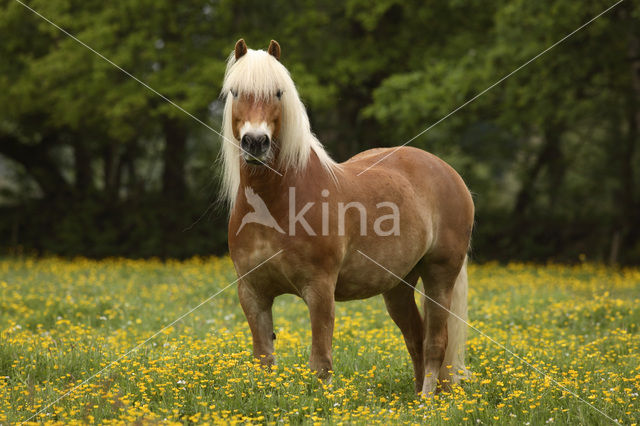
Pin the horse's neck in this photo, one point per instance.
(274, 188)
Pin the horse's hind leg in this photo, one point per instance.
(404, 312)
(257, 309)
(439, 280)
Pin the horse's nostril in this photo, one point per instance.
(245, 142)
(255, 143)
(264, 141)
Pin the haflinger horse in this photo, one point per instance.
(286, 194)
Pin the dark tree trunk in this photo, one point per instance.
(114, 160)
(556, 168)
(626, 199)
(550, 157)
(117, 179)
(82, 168)
(129, 166)
(108, 171)
(634, 135)
(173, 175)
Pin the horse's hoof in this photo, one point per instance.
(267, 361)
(325, 376)
(427, 395)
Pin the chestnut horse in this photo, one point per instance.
(286, 194)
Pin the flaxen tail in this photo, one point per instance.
(457, 330)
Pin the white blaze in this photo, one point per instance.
(258, 128)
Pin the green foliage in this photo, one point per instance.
(551, 152)
(145, 227)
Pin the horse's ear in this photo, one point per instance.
(274, 49)
(241, 48)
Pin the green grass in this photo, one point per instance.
(63, 321)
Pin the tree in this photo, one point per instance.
(557, 113)
(551, 152)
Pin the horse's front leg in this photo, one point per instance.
(321, 303)
(257, 309)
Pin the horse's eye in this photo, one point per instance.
(234, 93)
(279, 94)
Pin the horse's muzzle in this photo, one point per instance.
(255, 147)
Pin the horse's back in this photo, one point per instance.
(437, 188)
(398, 158)
(421, 168)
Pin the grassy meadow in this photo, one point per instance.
(62, 321)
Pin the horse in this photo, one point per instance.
(325, 219)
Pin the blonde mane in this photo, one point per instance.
(259, 74)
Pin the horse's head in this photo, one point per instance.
(256, 117)
(264, 121)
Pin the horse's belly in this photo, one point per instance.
(375, 265)
(353, 290)
(368, 281)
